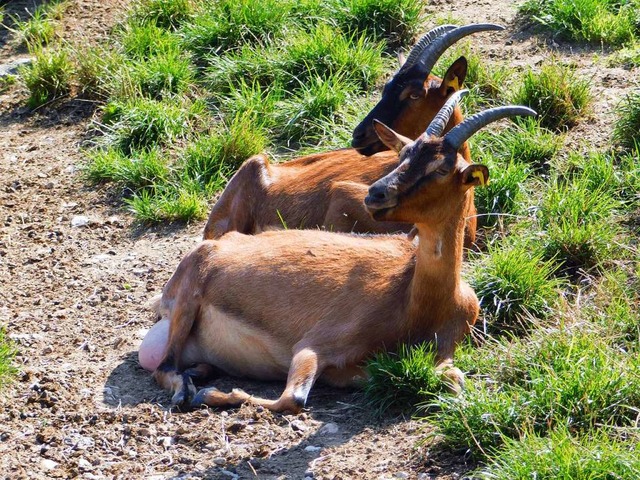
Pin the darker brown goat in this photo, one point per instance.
(305, 304)
(326, 189)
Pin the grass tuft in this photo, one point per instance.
(403, 379)
(627, 126)
(598, 21)
(167, 14)
(48, 77)
(579, 222)
(396, 21)
(512, 283)
(228, 24)
(556, 93)
(142, 123)
(598, 456)
(554, 378)
(7, 353)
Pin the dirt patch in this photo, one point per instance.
(75, 277)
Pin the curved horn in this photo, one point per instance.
(423, 43)
(430, 56)
(461, 132)
(439, 122)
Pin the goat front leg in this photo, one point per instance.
(452, 376)
(346, 212)
(303, 372)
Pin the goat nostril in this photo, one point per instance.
(378, 196)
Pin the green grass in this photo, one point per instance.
(598, 21)
(326, 52)
(513, 283)
(627, 57)
(213, 157)
(552, 379)
(393, 21)
(145, 123)
(579, 223)
(563, 455)
(527, 143)
(557, 93)
(134, 172)
(627, 126)
(7, 353)
(228, 24)
(39, 29)
(48, 77)
(403, 379)
(504, 197)
(167, 14)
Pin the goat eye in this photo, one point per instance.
(442, 171)
(414, 96)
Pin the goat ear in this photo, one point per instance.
(455, 76)
(391, 139)
(475, 175)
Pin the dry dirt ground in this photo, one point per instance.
(73, 298)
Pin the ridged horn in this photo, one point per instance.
(461, 132)
(437, 47)
(423, 43)
(439, 122)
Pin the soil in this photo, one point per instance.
(76, 274)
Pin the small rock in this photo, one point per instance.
(166, 441)
(48, 464)
(423, 476)
(84, 464)
(329, 429)
(401, 475)
(79, 221)
(219, 460)
(312, 448)
(308, 474)
(229, 474)
(47, 350)
(298, 426)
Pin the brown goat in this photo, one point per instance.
(326, 189)
(304, 304)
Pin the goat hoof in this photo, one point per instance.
(200, 398)
(453, 379)
(182, 397)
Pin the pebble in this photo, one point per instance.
(329, 429)
(80, 221)
(48, 464)
(84, 464)
(401, 475)
(219, 460)
(229, 474)
(308, 474)
(312, 448)
(79, 442)
(165, 441)
(298, 426)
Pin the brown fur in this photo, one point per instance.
(326, 189)
(297, 304)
